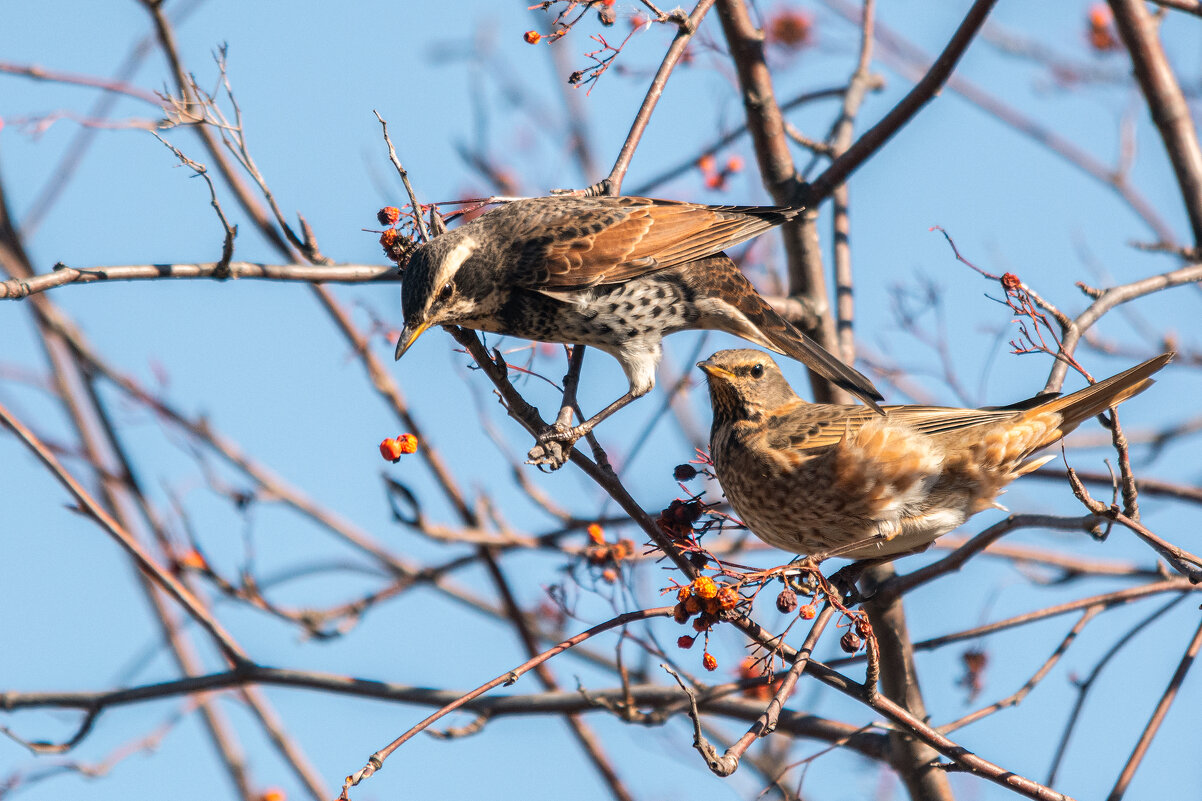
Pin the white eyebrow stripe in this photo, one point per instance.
(454, 260)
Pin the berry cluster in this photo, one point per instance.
(392, 449)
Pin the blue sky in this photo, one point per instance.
(263, 363)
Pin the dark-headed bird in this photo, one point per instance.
(613, 273)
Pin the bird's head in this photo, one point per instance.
(744, 384)
(436, 287)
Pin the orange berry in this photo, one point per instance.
(193, 559)
(407, 443)
(389, 238)
(532, 37)
(1101, 34)
(728, 597)
(1102, 39)
(704, 587)
(390, 449)
(790, 29)
(715, 180)
(709, 662)
(682, 593)
(609, 575)
(706, 163)
(808, 612)
(734, 164)
(274, 794)
(608, 3)
(596, 533)
(388, 215)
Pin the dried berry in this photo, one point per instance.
(728, 597)
(682, 593)
(684, 472)
(808, 612)
(680, 613)
(850, 642)
(693, 604)
(709, 662)
(685, 641)
(532, 37)
(388, 215)
(786, 601)
(790, 29)
(407, 443)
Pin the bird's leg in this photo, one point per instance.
(846, 578)
(563, 422)
(555, 442)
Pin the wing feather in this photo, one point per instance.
(641, 236)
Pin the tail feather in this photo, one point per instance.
(793, 343)
(719, 278)
(1095, 399)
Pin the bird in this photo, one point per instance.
(821, 480)
(614, 273)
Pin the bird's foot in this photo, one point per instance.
(554, 447)
(845, 580)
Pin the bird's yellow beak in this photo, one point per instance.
(408, 337)
(714, 371)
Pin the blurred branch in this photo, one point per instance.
(612, 184)
(1170, 111)
(923, 92)
(1162, 709)
(88, 505)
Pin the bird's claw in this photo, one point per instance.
(554, 448)
(845, 581)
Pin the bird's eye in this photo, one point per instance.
(445, 293)
(757, 371)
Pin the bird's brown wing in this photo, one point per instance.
(944, 420)
(812, 427)
(801, 426)
(626, 237)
